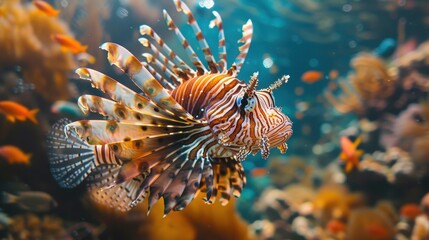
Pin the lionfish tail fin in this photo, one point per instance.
(70, 158)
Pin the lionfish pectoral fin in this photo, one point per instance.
(127, 171)
(182, 190)
(103, 176)
(70, 158)
(228, 180)
(143, 79)
(119, 196)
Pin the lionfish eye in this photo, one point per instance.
(242, 101)
(418, 118)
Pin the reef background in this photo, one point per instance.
(379, 51)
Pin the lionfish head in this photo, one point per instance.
(273, 128)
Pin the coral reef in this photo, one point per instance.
(197, 221)
(368, 87)
(294, 169)
(31, 226)
(29, 46)
(371, 224)
(335, 202)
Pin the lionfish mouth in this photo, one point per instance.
(280, 134)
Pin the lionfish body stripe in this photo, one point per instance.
(186, 132)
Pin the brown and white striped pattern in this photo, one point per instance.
(187, 132)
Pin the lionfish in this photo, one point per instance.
(187, 131)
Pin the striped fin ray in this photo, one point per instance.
(190, 190)
(96, 132)
(208, 181)
(119, 112)
(174, 159)
(183, 150)
(189, 178)
(121, 93)
(228, 179)
(181, 6)
(154, 144)
(127, 62)
(70, 158)
(201, 69)
(222, 48)
(103, 176)
(119, 196)
(146, 30)
(170, 75)
(166, 84)
(164, 149)
(246, 39)
(157, 190)
(163, 59)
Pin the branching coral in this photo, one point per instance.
(25, 41)
(371, 79)
(369, 86)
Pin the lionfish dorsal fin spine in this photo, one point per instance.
(246, 39)
(221, 45)
(146, 30)
(151, 61)
(201, 69)
(167, 62)
(182, 7)
(166, 84)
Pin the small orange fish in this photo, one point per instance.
(14, 155)
(410, 210)
(68, 43)
(350, 154)
(259, 172)
(14, 110)
(335, 226)
(311, 76)
(333, 74)
(46, 8)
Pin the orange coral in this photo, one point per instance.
(28, 44)
(371, 84)
(335, 202)
(197, 221)
(371, 79)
